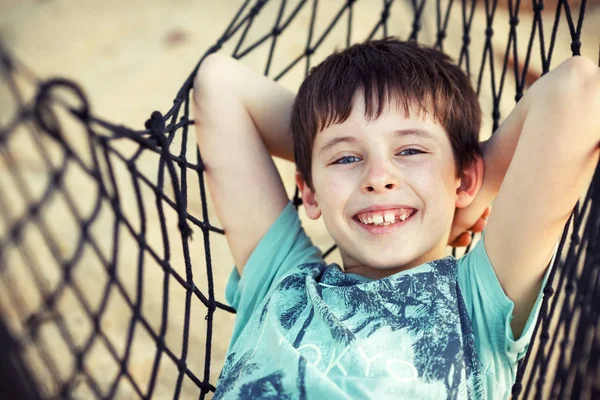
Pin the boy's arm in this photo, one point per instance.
(240, 117)
(539, 162)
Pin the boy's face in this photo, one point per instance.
(404, 173)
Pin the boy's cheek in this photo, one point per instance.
(337, 186)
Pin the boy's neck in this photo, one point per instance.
(380, 273)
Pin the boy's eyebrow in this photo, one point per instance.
(417, 132)
(335, 141)
(400, 132)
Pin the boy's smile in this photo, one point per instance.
(382, 219)
(387, 190)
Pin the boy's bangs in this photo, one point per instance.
(332, 107)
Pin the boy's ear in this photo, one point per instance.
(309, 198)
(468, 186)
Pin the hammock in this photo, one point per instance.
(38, 341)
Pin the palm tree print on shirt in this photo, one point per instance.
(423, 305)
(427, 305)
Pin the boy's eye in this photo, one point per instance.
(412, 152)
(349, 159)
(344, 160)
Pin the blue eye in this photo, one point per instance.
(405, 152)
(413, 151)
(345, 158)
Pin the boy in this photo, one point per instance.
(385, 140)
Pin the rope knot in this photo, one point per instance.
(548, 291)
(254, 10)
(514, 21)
(569, 287)
(6, 62)
(467, 40)
(79, 360)
(441, 36)
(50, 300)
(67, 269)
(185, 229)
(34, 210)
(211, 307)
(516, 389)
(217, 46)
(156, 123)
(156, 126)
(576, 47)
(57, 178)
(96, 322)
(15, 233)
(489, 31)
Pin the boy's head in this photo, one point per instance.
(387, 124)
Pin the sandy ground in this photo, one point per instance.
(131, 58)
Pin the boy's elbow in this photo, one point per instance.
(581, 82)
(573, 81)
(585, 69)
(216, 69)
(205, 73)
(586, 79)
(209, 80)
(570, 95)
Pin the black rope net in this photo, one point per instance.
(72, 238)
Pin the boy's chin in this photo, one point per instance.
(404, 261)
(390, 264)
(377, 272)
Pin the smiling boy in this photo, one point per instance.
(385, 140)
(353, 170)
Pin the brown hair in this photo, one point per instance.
(384, 70)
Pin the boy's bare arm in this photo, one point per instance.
(539, 162)
(240, 117)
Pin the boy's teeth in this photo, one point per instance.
(385, 219)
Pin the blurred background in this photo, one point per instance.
(131, 58)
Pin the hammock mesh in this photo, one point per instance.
(59, 349)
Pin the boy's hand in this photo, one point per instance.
(467, 220)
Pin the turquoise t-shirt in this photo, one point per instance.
(307, 330)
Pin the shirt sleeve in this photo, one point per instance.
(283, 248)
(491, 312)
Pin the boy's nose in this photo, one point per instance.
(379, 178)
